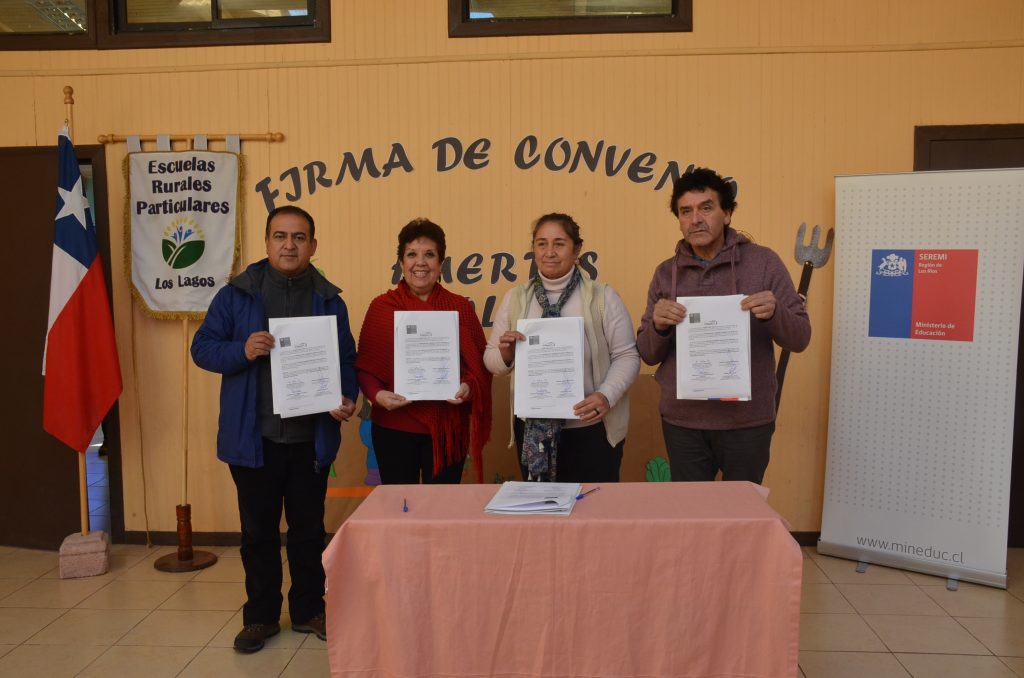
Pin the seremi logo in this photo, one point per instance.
(923, 294)
(183, 243)
(892, 265)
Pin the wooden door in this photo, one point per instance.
(38, 474)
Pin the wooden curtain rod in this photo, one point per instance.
(269, 137)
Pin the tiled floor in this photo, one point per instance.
(888, 623)
(136, 621)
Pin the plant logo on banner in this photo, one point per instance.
(183, 243)
(182, 222)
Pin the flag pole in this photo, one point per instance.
(184, 412)
(80, 333)
(83, 487)
(187, 558)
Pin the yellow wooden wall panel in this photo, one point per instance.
(20, 119)
(731, 95)
(878, 22)
(791, 132)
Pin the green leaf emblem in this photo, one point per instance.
(185, 254)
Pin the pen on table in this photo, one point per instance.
(405, 505)
(594, 489)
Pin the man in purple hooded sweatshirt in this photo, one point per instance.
(703, 436)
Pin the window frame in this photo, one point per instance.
(103, 34)
(460, 26)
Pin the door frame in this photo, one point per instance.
(925, 139)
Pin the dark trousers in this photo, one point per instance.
(584, 455)
(287, 475)
(405, 458)
(697, 455)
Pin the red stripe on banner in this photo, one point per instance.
(945, 285)
(83, 377)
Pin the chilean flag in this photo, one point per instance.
(83, 377)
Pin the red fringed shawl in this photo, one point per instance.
(453, 428)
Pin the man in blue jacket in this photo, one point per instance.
(275, 460)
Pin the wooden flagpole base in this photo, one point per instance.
(186, 559)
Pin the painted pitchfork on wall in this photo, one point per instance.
(812, 257)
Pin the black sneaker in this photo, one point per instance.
(252, 636)
(316, 624)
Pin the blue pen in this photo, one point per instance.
(405, 505)
(580, 496)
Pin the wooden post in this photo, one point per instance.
(186, 559)
(184, 411)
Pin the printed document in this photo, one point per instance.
(549, 368)
(713, 349)
(514, 497)
(427, 354)
(305, 371)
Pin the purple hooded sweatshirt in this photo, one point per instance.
(741, 267)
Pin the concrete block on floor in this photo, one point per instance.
(84, 555)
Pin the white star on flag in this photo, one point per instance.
(75, 203)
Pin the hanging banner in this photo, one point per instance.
(924, 356)
(183, 214)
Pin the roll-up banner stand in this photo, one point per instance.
(924, 361)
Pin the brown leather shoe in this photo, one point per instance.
(252, 636)
(316, 624)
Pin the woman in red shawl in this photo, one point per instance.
(424, 439)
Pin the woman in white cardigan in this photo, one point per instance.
(588, 449)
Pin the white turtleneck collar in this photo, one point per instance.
(556, 284)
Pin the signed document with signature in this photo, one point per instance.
(305, 370)
(549, 368)
(713, 349)
(427, 354)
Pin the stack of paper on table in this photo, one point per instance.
(519, 498)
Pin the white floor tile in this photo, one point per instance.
(218, 662)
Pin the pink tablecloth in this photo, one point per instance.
(643, 579)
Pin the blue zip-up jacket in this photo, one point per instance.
(219, 346)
